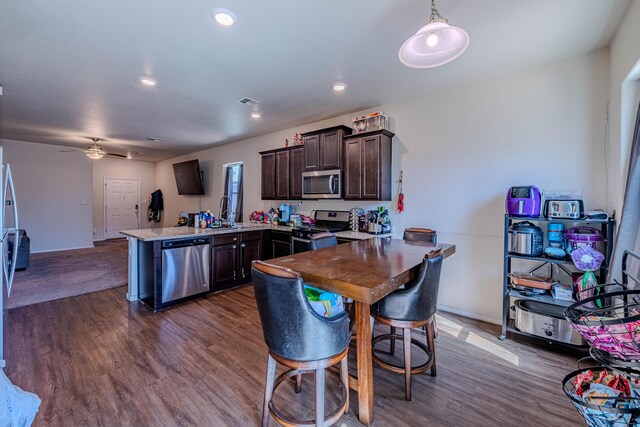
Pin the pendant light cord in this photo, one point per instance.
(435, 15)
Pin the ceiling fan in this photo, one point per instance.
(95, 152)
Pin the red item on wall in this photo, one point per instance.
(400, 196)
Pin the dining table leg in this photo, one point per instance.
(365, 364)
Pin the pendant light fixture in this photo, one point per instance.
(434, 44)
(95, 152)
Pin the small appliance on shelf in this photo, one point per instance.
(523, 201)
(563, 204)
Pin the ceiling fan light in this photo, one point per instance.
(437, 43)
(95, 152)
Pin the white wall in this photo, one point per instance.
(121, 168)
(53, 192)
(624, 87)
(625, 73)
(460, 150)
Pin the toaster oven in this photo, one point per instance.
(564, 209)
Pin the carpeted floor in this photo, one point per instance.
(55, 275)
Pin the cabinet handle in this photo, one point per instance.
(243, 274)
(243, 245)
(235, 238)
(234, 246)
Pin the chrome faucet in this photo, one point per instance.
(228, 220)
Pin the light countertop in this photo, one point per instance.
(357, 235)
(168, 233)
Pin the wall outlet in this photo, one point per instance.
(83, 202)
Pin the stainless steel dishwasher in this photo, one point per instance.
(186, 268)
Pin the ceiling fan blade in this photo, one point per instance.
(122, 156)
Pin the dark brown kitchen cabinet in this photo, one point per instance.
(231, 258)
(225, 265)
(367, 166)
(278, 244)
(331, 149)
(323, 148)
(268, 176)
(250, 250)
(296, 167)
(352, 169)
(282, 175)
(311, 152)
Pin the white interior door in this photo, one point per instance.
(122, 206)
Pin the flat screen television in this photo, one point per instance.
(188, 178)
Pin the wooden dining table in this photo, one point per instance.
(366, 271)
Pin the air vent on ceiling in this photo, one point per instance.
(248, 101)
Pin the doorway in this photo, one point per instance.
(121, 206)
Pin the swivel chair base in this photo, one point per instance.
(296, 369)
(407, 369)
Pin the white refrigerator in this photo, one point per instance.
(9, 226)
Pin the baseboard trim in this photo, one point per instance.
(63, 249)
(470, 314)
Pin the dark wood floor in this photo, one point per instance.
(97, 360)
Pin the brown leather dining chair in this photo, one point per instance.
(325, 240)
(420, 235)
(299, 339)
(322, 240)
(412, 307)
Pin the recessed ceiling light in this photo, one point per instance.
(154, 139)
(147, 81)
(224, 17)
(129, 156)
(339, 87)
(255, 115)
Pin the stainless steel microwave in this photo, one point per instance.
(322, 184)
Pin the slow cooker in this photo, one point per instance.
(525, 238)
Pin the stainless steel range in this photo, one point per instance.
(331, 221)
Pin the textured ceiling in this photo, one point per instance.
(71, 69)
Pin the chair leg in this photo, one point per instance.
(268, 390)
(407, 363)
(344, 377)
(432, 346)
(298, 383)
(319, 397)
(392, 344)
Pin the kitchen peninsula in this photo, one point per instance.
(168, 265)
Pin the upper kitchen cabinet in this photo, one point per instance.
(268, 176)
(296, 167)
(323, 148)
(367, 166)
(282, 173)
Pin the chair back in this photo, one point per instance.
(418, 301)
(323, 240)
(290, 326)
(420, 235)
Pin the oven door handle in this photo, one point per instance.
(298, 239)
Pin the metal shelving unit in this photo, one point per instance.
(607, 227)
